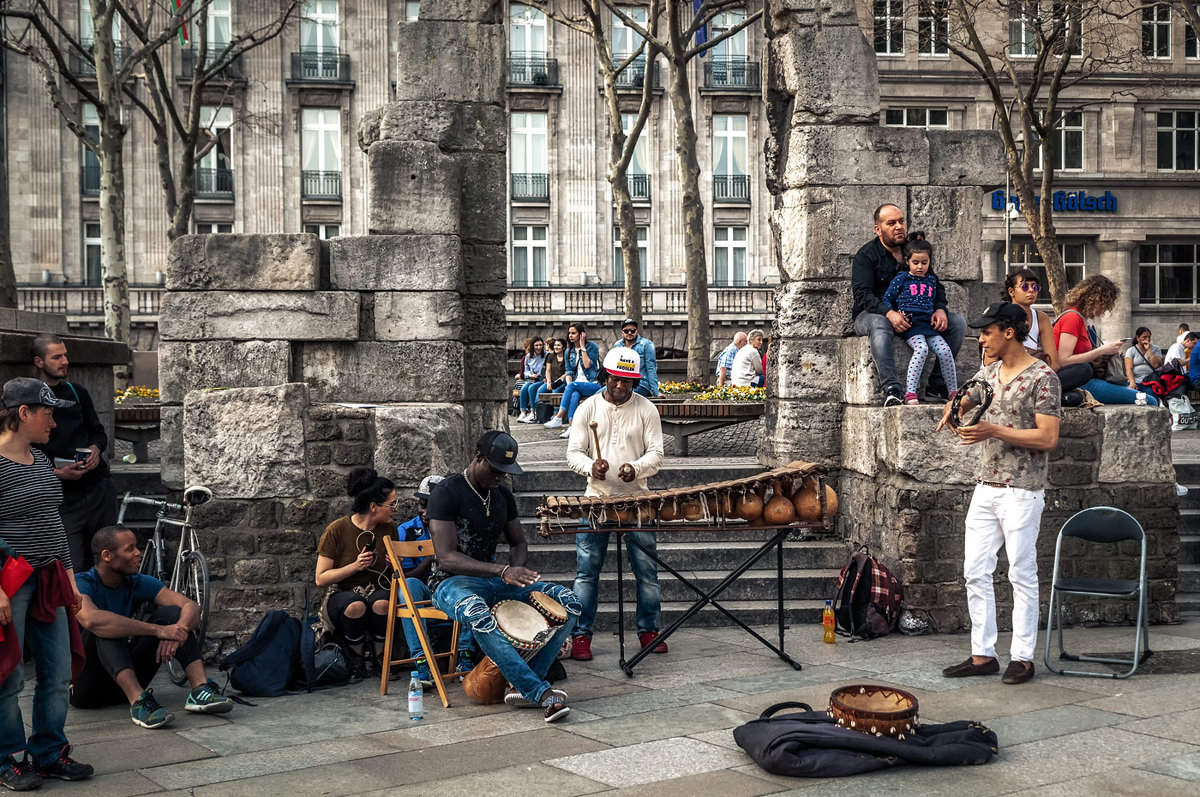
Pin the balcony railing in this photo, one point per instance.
(327, 67)
(634, 76)
(85, 66)
(84, 300)
(639, 187)
(548, 303)
(230, 73)
(526, 69)
(531, 187)
(90, 179)
(731, 188)
(214, 183)
(731, 74)
(321, 185)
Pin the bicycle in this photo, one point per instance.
(189, 574)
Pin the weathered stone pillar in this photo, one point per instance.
(1115, 263)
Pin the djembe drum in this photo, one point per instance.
(528, 627)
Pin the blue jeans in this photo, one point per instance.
(576, 392)
(1108, 393)
(50, 646)
(469, 599)
(880, 332)
(529, 393)
(590, 549)
(420, 592)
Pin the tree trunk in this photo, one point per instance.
(630, 255)
(8, 278)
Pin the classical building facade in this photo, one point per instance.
(287, 159)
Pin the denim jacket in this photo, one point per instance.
(573, 359)
(646, 351)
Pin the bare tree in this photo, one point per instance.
(1190, 13)
(679, 47)
(1030, 56)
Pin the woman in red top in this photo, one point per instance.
(1076, 341)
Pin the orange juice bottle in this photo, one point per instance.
(827, 621)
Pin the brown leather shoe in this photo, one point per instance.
(968, 668)
(1018, 672)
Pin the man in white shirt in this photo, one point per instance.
(1175, 350)
(747, 365)
(725, 361)
(630, 434)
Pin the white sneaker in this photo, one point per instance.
(1140, 399)
(553, 423)
(527, 418)
(566, 433)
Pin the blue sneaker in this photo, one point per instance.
(423, 675)
(207, 699)
(147, 712)
(466, 663)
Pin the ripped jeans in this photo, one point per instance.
(468, 599)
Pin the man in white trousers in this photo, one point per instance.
(1018, 431)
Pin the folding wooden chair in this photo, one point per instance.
(417, 611)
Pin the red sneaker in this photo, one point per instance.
(581, 648)
(648, 638)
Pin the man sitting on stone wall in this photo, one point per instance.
(874, 267)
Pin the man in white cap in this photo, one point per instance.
(630, 435)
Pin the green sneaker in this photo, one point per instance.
(423, 674)
(207, 699)
(146, 711)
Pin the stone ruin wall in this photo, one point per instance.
(266, 338)
(905, 491)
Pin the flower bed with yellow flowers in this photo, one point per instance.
(136, 394)
(675, 388)
(732, 393)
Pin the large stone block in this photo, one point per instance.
(813, 309)
(951, 218)
(862, 429)
(838, 155)
(909, 446)
(820, 228)
(784, 15)
(384, 371)
(484, 321)
(860, 380)
(279, 262)
(230, 315)
(461, 11)
(485, 373)
(483, 218)
(459, 61)
(453, 126)
(801, 430)
(184, 367)
(805, 369)
(413, 441)
(486, 269)
(396, 263)
(1135, 447)
(418, 315)
(483, 416)
(966, 157)
(246, 442)
(414, 188)
(170, 427)
(830, 72)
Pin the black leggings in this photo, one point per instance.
(353, 630)
(97, 686)
(1074, 376)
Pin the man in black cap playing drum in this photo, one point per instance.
(1018, 430)
(468, 514)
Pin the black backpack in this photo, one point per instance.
(266, 664)
(866, 601)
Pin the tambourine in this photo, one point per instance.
(956, 402)
(874, 710)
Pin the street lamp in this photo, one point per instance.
(1010, 207)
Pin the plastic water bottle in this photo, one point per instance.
(827, 621)
(416, 698)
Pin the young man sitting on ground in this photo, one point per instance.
(123, 653)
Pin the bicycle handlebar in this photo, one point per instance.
(163, 506)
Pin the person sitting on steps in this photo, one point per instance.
(583, 373)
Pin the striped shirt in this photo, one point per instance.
(726, 358)
(29, 521)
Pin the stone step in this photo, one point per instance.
(1189, 548)
(542, 480)
(1189, 521)
(1187, 473)
(1192, 499)
(559, 557)
(758, 614)
(758, 584)
(1188, 603)
(139, 479)
(1189, 578)
(738, 532)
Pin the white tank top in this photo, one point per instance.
(1033, 340)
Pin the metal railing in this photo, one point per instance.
(332, 67)
(321, 185)
(634, 76)
(214, 183)
(90, 179)
(526, 69)
(731, 188)
(639, 187)
(231, 72)
(84, 64)
(531, 187)
(84, 299)
(732, 74)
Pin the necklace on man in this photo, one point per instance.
(487, 502)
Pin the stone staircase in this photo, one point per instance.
(1188, 586)
(810, 567)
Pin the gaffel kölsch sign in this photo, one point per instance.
(1066, 201)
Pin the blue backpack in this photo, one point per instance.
(266, 663)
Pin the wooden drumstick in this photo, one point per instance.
(595, 436)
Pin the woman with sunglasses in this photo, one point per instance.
(352, 563)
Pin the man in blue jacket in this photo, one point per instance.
(630, 338)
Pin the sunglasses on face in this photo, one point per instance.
(629, 331)
(1031, 287)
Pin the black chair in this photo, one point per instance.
(1103, 525)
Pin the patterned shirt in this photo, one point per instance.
(726, 358)
(1034, 391)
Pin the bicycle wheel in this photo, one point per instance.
(193, 583)
(148, 557)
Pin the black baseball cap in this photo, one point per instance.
(1007, 312)
(500, 450)
(31, 392)
(628, 322)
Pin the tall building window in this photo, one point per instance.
(933, 27)
(889, 27)
(1167, 273)
(626, 40)
(643, 247)
(527, 31)
(92, 272)
(916, 117)
(1156, 30)
(214, 173)
(319, 27)
(1178, 138)
(321, 151)
(324, 231)
(530, 177)
(638, 173)
(1026, 255)
(733, 48)
(220, 25)
(91, 164)
(729, 256)
(87, 27)
(731, 181)
(1069, 156)
(528, 257)
(215, 229)
(1022, 29)
(1190, 50)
